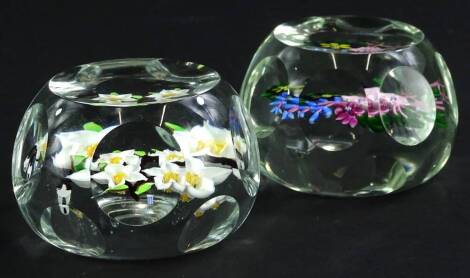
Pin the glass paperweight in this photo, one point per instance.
(135, 159)
(350, 106)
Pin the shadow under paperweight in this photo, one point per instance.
(350, 106)
(135, 159)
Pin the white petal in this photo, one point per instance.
(62, 160)
(183, 139)
(236, 173)
(194, 164)
(205, 189)
(81, 178)
(132, 160)
(101, 177)
(112, 169)
(216, 174)
(131, 168)
(172, 167)
(207, 205)
(135, 177)
(178, 187)
(160, 185)
(154, 171)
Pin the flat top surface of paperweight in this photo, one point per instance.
(349, 34)
(133, 82)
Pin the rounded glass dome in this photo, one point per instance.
(350, 106)
(135, 159)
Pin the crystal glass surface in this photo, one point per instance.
(135, 159)
(350, 106)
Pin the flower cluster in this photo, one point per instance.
(346, 109)
(182, 172)
(362, 48)
(291, 107)
(114, 98)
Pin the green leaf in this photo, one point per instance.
(143, 188)
(137, 97)
(102, 165)
(120, 187)
(441, 121)
(140, 153)
(175, 127)
(78, 162)
(377, 81)
(375, 124)
(116, 151)
(91, 126)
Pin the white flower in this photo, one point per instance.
(80, 143)
(41, 147)
(213, 204)
(80, 178)
(116, 174)
(196, 184)
(170, 156)
(168, 177)
(114, 98)
(240, 144)
(120, 158)
(206, 140)
(163, 94)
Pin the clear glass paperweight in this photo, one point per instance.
(135, 159)
(350, 106)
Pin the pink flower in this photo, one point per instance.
(383, 103)
(347, 113)
(375, 103)
(367, 49)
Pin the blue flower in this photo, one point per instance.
(312, 104)
(326, 111)
(337, 99)
(276, 110)
(287, 114)
(314, 117)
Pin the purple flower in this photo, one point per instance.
(347, 113)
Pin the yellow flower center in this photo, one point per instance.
(193, 179)
(185, 198)
(114, 98)
(115, 160)
(335, 45)
(169, 176)
(43, 147)
(218, 146)
(168, 94)
(90, 150)
(200, 145)
(174, 156)
(215, 206)
(198, 213)
(119, 177)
